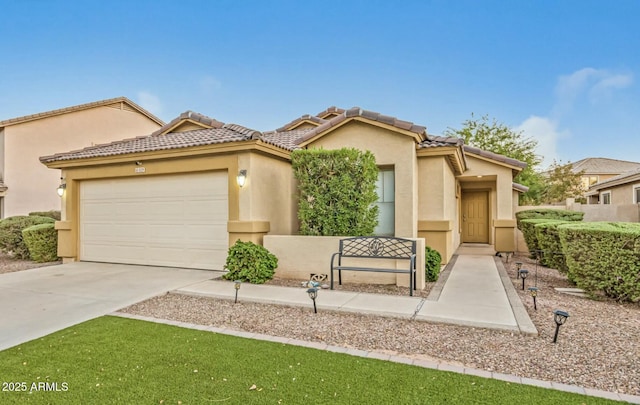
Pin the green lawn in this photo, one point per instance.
(123, 361)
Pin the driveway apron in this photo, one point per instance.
(41, 301)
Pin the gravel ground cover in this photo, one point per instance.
(598, 347)
(9, 265)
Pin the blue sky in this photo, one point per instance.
(564, 72)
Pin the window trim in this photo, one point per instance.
(604, 193)
(634, 193)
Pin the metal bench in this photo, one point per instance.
(376, 247)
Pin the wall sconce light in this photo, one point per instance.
(61, 187)
(560, 317)
(242, 178)
(313, 294)
(236, 285)
(523, 274)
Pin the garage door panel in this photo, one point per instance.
(177, 220)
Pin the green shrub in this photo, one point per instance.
(604, 256)
(337, 191)
(548, 240)
(523, 222)
(51, 214)
(42, 242)
(527, 226)
(432, 262)
(11, 241)
(250, 262)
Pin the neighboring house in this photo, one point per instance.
(172, 198)
(595, 170)
(623, 189)
(25, 185)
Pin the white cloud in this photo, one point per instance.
(597, 84)
(150, 102)
(545, 131)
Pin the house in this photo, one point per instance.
(623, 189)
(183, 194)
(25, 185)
(595, 170)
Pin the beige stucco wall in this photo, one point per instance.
(390, 149)
(438, 205)
(32, 186)
(301, 256)
(269, 194)
(622, 194)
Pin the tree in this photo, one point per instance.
(493, 136)
(562, 183)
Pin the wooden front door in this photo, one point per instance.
(475, 217)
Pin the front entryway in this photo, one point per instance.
(475, 217)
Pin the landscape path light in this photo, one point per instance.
(313, 294)
(560, 317)
(236, 285)
(534, 293)
(518, 267)
(523, 274)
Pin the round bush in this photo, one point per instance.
(42, 241)
(250, 262)
(432, 262)
(11, 241)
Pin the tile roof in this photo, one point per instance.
(359, 112)
(520, 187)
(80, 107)
(304, 118)
(285, 139)
(172, 140)
(330, 110)
(190, 115)
(494, 156)
(603, 166)
(433, 141)
(624, 178)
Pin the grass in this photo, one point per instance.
(124, 361)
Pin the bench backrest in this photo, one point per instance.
(380, 247)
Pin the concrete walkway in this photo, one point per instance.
(472, 292)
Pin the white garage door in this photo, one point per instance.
(175, 221)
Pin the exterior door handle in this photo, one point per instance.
(464, 218)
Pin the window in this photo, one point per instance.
(605, 198)
(636, 193)
(385, 186)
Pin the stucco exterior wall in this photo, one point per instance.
(390, 149)
(269, 194)
(622, 194)
(31, 185)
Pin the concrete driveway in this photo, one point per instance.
(37, 302)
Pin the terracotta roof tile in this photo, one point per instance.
(433, 141)
(330, 110)
(303, 118)
(172, 140)
(371, 115)
(520, 187)
(494, 156)
(80, 107)
(193, 116)
(285, 139)
(603, 166)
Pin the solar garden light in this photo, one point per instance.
(518, 266)
(236, 285)
(534, 293)
(523, 274)
(313, 294)
(560, 317)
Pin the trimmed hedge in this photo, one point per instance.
(604, 256)
(11, 241)
(42, 242)
(51, 214)
(432, 262)
(548, 240)
(250, 262)
(523, 222)
(337, 191)
(527, 226)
